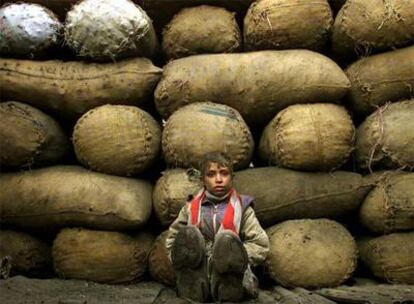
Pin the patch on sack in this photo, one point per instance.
(219, 112)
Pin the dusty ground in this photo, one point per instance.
(19, 290)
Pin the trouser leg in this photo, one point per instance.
(250, 283)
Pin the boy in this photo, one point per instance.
(216, 238)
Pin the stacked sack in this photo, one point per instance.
(381, 97)
(307, 105)
(96, 212)
(301, 115)
(387, 213)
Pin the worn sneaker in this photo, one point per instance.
(188, 256)
(228, 264)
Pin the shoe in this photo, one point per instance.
(188, 248)
(188, 256)
(229, 262)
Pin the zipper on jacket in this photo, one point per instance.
(214, 219)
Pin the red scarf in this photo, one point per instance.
(232, 214)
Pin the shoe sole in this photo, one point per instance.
(188, 249)
(229, 254)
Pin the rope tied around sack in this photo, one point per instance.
(379, 141)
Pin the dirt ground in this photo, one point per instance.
(22, 290)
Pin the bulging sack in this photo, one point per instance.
(282, 194)
(362, 27)
(101, 256)
(257, 84)
(69, 89)
(28, 30)
(386, 138)
(26, 254)
(116, 139)
(204, 127)
(172, 190)
(390, 257)
(378, 79)
(64, 196)
(287, 24)
(389, 207)
(29, 138)
(311, 137)
(110, 30)
(159, 264)
(162, 11)
(311, 253)
(199, 30)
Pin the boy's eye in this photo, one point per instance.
(224, 173)
(210, 174)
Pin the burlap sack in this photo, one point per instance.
(162, 11)
(312, 137)
(311, 253)
(110, 30)
(362, 27)
(64, 196)
(70, 89)
(28, 30)
(287, 24)
(116, 139)
(390, 257)
(101, 256)
(172, 191)
(379, 79)
(160, 267)
(29, 137)
(282, 194)
(26, 254)
(199, 30)
(257, 84)
(386, 138)
(389, 207)
(205, 127)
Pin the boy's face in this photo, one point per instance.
(218, 179)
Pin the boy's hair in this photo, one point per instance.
(215, 157)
